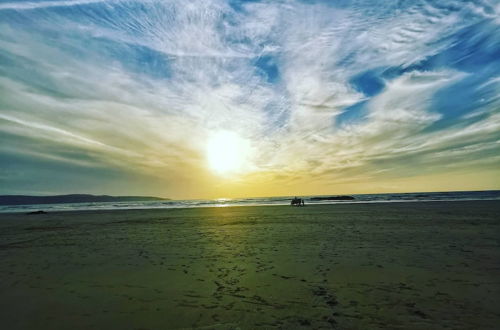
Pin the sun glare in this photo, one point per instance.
(227, 152)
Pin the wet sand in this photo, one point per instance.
(433, 265)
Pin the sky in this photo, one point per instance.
(226, 98)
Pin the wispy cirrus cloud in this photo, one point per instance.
(347, 92)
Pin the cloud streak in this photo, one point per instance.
(349, 92)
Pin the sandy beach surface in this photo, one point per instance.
(425, 265)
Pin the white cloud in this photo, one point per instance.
(27, 5)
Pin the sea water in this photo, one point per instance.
(282, 200)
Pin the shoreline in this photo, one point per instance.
(335, 203)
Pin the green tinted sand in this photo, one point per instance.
(354, 266)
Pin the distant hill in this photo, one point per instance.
(73, 198)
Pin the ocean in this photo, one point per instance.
(283, 200)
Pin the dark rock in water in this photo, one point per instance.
(37, 212)
(333, 198)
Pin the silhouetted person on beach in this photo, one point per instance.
(297, 201)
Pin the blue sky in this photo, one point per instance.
(121, 97)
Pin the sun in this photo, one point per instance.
(227, 152)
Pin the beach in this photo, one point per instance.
(407, 265)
